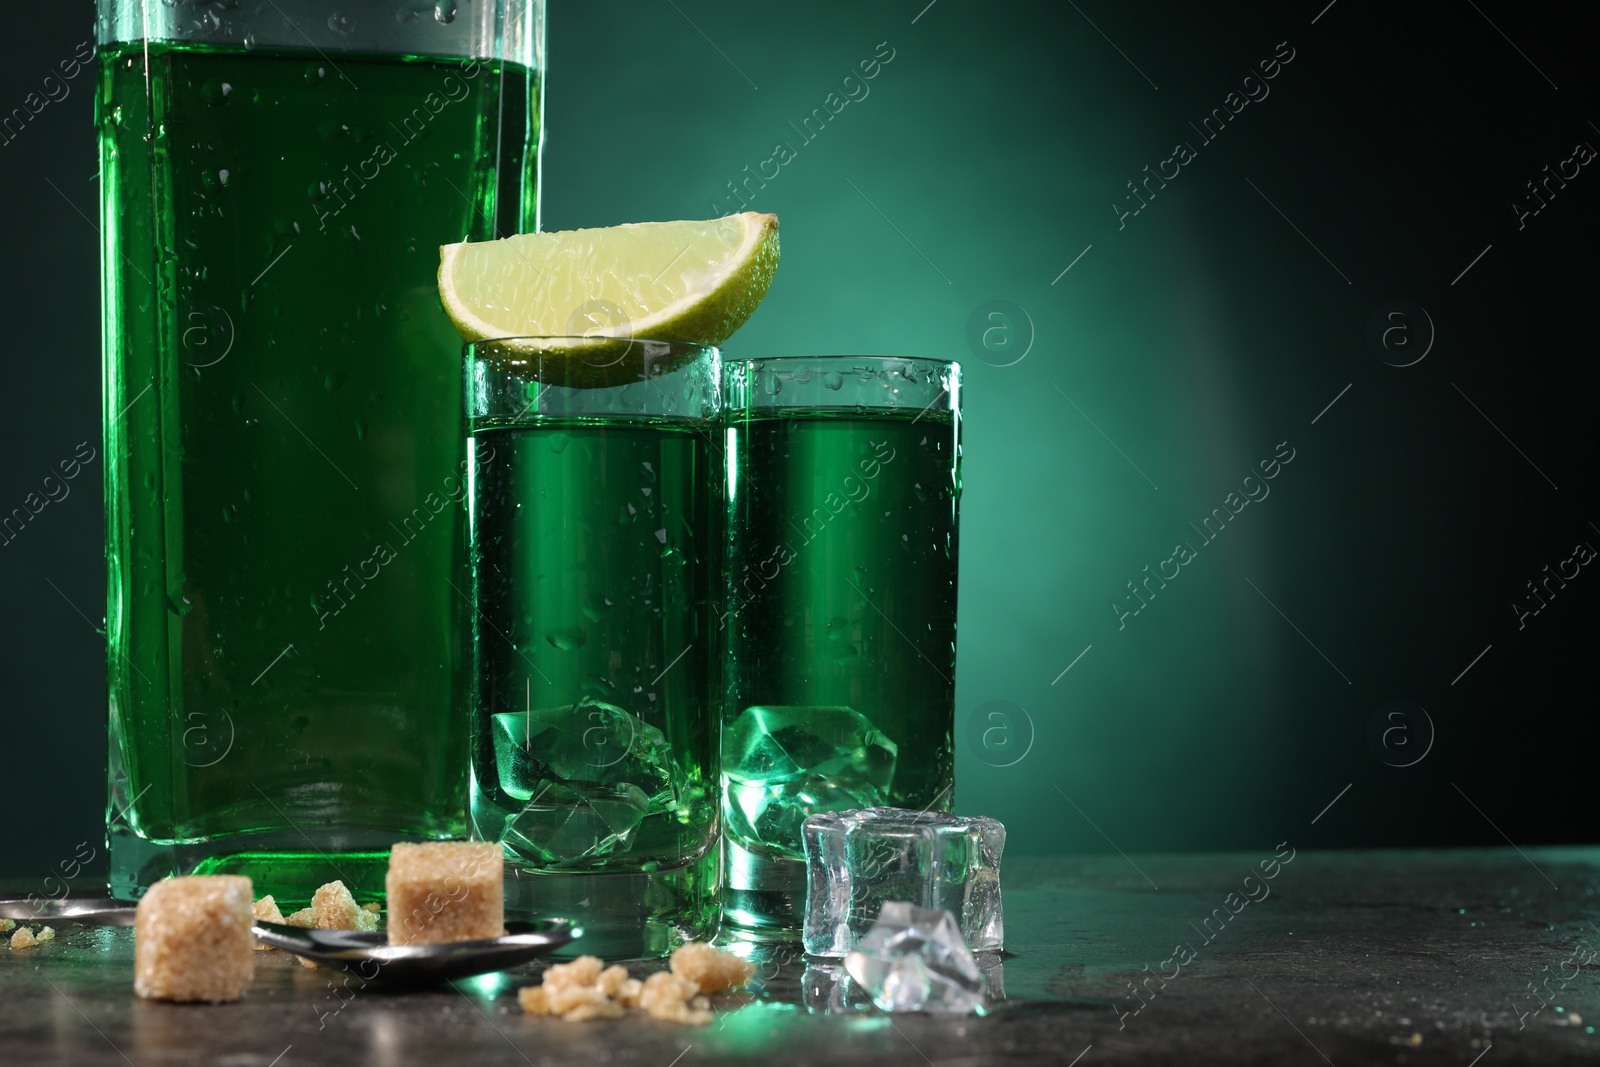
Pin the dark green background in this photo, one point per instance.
(985, 159)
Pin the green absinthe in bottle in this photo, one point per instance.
(285, 467)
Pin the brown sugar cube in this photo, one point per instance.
(445, 891)
(711, 969)
(23, 938)
(192, 939)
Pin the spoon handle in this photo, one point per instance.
(100, 911)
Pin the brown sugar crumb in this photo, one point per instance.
(711, 969)
(7, 925)
(192, 939)
(372, 906)
(582, 990)
(47, 934)
(587, 989)
(668, 997)
(266, 909)
(611, 980)
(23, 938)
(571, 990)
(628, 996)
(333, 908)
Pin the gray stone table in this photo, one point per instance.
(1461, 957)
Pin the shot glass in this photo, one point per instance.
(839, 627)
(595, 519)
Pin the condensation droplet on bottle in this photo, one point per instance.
(567, 638)
(833, 380)
(445, 11)
(341, 23)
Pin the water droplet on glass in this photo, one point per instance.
(661, 535)
(832, 380)
(334, 380)
(567, 638)
(558, 442)
(215, 91)
(361, 429)
(341, 24)
(445, 11)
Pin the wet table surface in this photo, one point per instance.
(1450, 957)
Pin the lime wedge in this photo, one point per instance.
(678, 281)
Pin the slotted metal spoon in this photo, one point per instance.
(365, 954)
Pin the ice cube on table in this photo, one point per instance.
(858, 860)
(783, 764)
(826, 988)
(914, 959)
